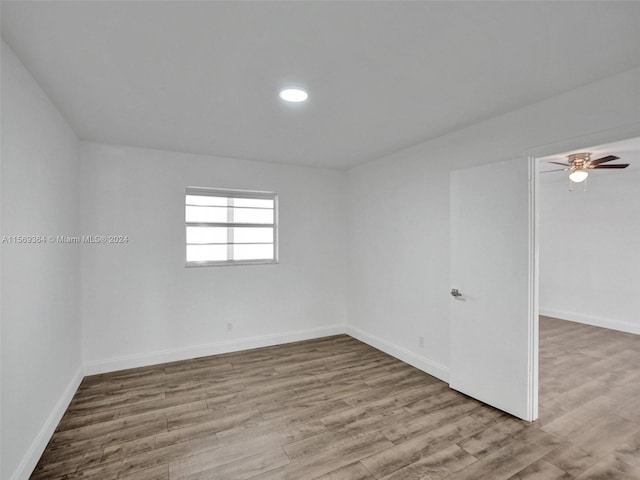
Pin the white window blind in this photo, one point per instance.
(226, 227)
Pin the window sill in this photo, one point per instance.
(230, 263)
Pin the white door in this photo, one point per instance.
(493, 267)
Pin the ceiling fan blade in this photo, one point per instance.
(608, 158)
(560, 163)
(619, 165)
(556, 170)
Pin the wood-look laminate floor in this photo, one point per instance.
(336, 409)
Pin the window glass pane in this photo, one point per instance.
(207, 235)
(202, 200)
(253, 252)
(209, 242)
(252, 215)
(207, 214)
(253, 235)
(253, 202)
(206, 253)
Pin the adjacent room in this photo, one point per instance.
(588, 296)
(312, 240)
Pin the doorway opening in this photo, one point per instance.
(588, 298)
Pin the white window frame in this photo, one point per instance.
(227, 193)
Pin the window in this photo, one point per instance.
(229, 227)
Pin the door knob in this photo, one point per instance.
(455, 293)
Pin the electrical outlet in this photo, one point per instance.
(421, 342)
(229, 326)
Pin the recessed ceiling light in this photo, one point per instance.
(294, 95)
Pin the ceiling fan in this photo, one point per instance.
(579, 163)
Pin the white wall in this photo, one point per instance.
(398, 214)
(589, 255)
(41, 330)
(140, 304)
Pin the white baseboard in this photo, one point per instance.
(185, 353)
(31, 458)
(621, 326)
(421, 363)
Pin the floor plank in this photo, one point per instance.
(336, 409)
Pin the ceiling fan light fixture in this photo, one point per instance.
(579, 175)
(578, 165)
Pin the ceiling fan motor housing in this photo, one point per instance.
(579, 160)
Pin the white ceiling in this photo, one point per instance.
(203, 76)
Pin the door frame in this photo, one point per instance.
(532, 155)
(532, 318)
